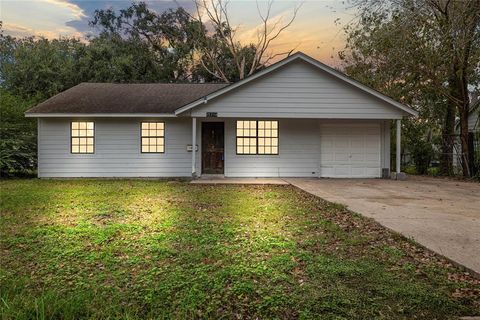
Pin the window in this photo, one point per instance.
(82, 137)
(153, 137)
(246, 137)
(267, 137)
(257, 137)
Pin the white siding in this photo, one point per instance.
(298, 152)
(385, 128)
(299, 91)
(299, 149)
(117, 150)
(473, 121)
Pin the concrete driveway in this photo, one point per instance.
(443, 215)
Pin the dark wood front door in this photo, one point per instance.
(212, 147)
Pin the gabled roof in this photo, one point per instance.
(315, 63)
(166, 99)
(122, 99)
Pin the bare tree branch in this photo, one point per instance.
(224, 35)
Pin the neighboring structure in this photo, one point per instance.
(473, 129)
(474, 116)
(474, 137)
(296, 118)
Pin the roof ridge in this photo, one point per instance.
(154, 83)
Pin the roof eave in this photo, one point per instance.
(97, 115)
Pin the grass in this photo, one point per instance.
(161, 250)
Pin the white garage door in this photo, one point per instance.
(350, 150)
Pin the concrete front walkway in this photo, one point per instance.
(217, 179)
(443, 215)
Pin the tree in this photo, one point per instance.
(424, 53)
(193, 46)
(223, 61)
(168, 35)
(18, 152)
(222, 41)
(37, 68)
(109, 58)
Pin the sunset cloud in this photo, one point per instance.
(314, 31)
(17, 30)
(74, 9)
(46, 18)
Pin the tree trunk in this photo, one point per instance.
(471, 28)
(463, 103)
(464, 141)
(458, 101)
(446, 159)
(463, 110)
(448, 131)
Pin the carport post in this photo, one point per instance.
(194, 145)
(399, 139)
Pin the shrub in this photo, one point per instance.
(18, 144)
(422, 154)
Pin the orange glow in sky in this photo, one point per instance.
(314, 30)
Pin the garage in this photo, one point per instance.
(350, 150)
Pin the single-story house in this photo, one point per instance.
(296, 118)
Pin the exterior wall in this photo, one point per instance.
(473, 126)
(474, 121)
(297, 90)
(299, 149)
(117, 150)
(298, 152)
(385, 145)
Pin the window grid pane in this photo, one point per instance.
(268, 137)
(82, 137)
(257, 137)
(152, 137)
(246, 137)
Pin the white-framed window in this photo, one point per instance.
(153, 137)
(82, 137)
(257, 137)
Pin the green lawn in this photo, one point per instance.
(156, 249)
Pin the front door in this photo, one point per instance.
(212, 147)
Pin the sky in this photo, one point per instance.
(317, 29)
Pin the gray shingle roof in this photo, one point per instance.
(125, 98)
